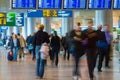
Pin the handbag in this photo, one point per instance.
(102, 44)
(30, 47)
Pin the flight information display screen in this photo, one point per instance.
(50, 4)
(116, 4)
(24, 4)
(100, 4)
(76, 4)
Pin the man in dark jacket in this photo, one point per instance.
(91, 48)
(55, 45)
(101, 49)
(65, 42)
(39, 38)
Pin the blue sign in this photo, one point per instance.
(20, 19)
(100, 4)
(56, 4)
(116, 4)
(76, 4)
(49, 13)
(64, 13)
(34, 13)
(17, 4)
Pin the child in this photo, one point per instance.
(44, 52)
(10, 55)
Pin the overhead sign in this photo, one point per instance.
(2, 19)
(20, 19)
(34, 13)
(100, 4)
(24, 4)
(11, 19)
(64, 13)
(75, 4)
(49, 13)
(50, 4)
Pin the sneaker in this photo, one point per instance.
(37, 77)
(79, 79)
(75, 77)
(100, 70)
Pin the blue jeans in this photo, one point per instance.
(42, 67)
(15, 53)
(55, 52)
(37, 48)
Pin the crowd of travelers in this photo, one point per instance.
(76, 43)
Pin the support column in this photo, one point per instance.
(64, 27)
(103, 17)
(70, 24)
(33, 25)
(47, 22)
(15, 30)
(29, 26)
(24, 29)
(43, 21)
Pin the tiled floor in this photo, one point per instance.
(25, 69)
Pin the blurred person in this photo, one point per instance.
(77, 48)
(29, 41)
(44, 51)
(108, 39)
(14, 44)
(102, 47)
(50, 49)
(33, 50)
(22, 45)
(91, 50)
(65, 46)
(55, 46)
(40, 37)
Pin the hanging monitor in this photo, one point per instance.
(99, 4)
(49, 4)
(116, 4)
(23, 4)
(75, 4)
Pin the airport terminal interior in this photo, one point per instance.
(23, 16)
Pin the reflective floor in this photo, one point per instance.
(25, 69)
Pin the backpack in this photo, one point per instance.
(10, 56)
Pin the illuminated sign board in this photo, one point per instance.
(50, 4)
(11, 19)
(24, 4)
(116, 4)
(2, 19)
(75, 4)
(20, 19)
(49, 13)
(100, 4)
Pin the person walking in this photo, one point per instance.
(40, 37)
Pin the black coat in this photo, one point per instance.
(101, 35)
(77, 46)
(55, 42)
(92, 39)
(40, 37)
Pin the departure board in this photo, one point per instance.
(116, 4)
(100, 4)
(24, 4)
(50, 4)
(76, 4)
